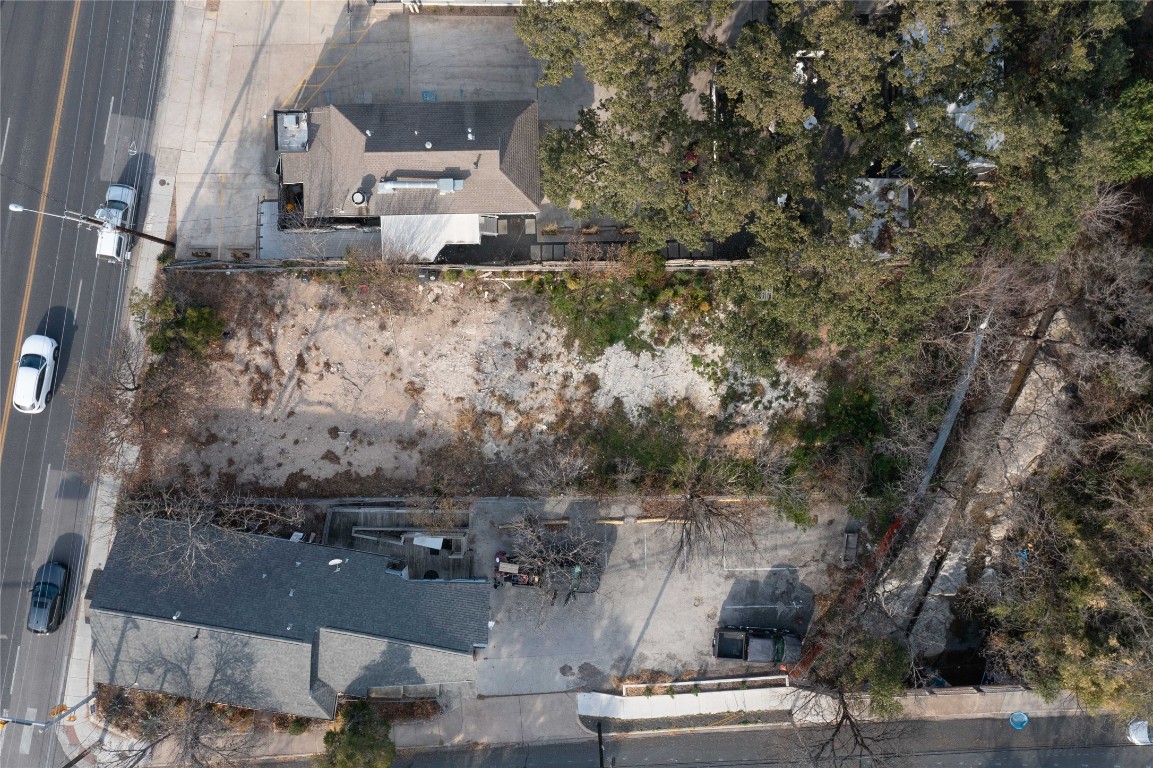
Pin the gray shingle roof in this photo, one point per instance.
(281, 629)
(353, 663)
(284, 589)
(204, 663)
(499, 165)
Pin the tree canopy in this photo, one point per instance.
(993, 120)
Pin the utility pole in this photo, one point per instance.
(93, 221)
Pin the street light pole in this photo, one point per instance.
(44, 725)
(92, 221)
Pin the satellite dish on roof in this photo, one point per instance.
(335, 561)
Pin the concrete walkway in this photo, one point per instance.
(549, 717)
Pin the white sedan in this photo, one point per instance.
(1139, 732)
(35, 374)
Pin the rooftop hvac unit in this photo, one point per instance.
(443, 186)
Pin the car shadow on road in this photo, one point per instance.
(69, 549)
(59, 323)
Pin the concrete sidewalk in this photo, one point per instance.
(552, 718)
(549, 717)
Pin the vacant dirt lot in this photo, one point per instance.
(464, 393)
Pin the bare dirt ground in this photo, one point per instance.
(311, 394)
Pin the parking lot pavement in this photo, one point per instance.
(652, 614)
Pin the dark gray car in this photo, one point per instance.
(49, 591)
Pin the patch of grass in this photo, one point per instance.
(655, 443)
(595, 316)
(850, 416)
(599, 308)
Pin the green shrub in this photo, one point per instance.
(1133, 147)
(654, 442)
(168, 326)
(361, 741)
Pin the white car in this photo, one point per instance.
(1139, 732)
(35, 374)
(118, 210)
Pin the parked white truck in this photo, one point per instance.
(118, 210)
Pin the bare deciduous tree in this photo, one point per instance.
(557, 472)
(190, 729)
(702, 517)
(850, 686)
(201, 529)
(851, 734)
(106, 419)
(124, 400)
(565, 556)
(1112, 280)
(1112, 208)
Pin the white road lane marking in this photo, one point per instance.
(47, 482)
(14, 665)
(26, 733)
(4, 147)
(108, 122)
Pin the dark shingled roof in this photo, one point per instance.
(286, 589)
(499, 165)
(281, 629)
(221, 666)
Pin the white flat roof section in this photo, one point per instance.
(421, 238)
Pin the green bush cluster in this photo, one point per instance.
(361, 740)
(168, 325)
(655, 441)
(597, 312)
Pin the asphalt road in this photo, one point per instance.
(1051, 742)
(78, 98)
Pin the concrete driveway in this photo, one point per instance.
(650, 614)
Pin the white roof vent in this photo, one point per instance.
(443, 186)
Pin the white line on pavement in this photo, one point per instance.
(4, 147)
(108, 122)
(44, 496)
(26, 733)
(14, 664)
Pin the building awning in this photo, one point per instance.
(421, 238)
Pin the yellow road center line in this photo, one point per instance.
(7, 404)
